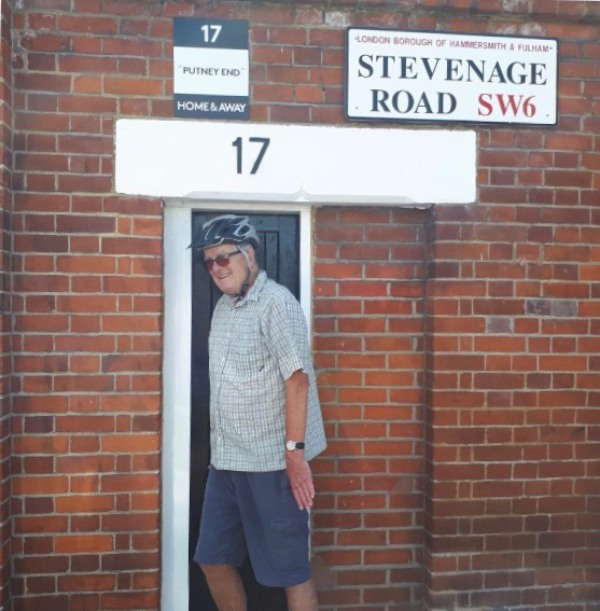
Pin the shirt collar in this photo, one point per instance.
(255, 289)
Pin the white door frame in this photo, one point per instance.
(176, 415)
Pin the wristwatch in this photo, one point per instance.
(290, 446)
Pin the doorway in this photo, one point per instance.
(279, 255)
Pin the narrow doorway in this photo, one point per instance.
(279, 255)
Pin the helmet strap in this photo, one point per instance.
(246, 285)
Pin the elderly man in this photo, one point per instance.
(265, 426)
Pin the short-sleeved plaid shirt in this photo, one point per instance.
(255, 345)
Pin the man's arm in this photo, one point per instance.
(298, 469)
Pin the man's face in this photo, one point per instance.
(230, 276)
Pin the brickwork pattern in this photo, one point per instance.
(513, 392)
(457, 347)
(368, 324)
(87, 316)
(6, 123)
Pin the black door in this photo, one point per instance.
(279, 255)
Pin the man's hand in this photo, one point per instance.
(300, 476)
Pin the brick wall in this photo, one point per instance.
(513, 391)
(369, 338)
(87, 315)
(5, 299)
(457, 347)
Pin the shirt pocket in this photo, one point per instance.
(251, 361)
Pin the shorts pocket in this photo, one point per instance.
(289, 542)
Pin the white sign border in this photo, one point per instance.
(449, 121)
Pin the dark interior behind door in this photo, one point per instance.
(279, 255)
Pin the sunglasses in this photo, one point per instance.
(220, 260)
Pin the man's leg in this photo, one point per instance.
(225, 585)
(221, 546)
(302, 597)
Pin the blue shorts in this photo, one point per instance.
(255, 514)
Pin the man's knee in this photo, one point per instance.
(216, 571)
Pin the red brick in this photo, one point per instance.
(83, 543)
(97, 25)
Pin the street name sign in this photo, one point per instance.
(438, 77)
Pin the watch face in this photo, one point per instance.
(290, 445)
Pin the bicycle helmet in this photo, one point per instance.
(226, 229)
